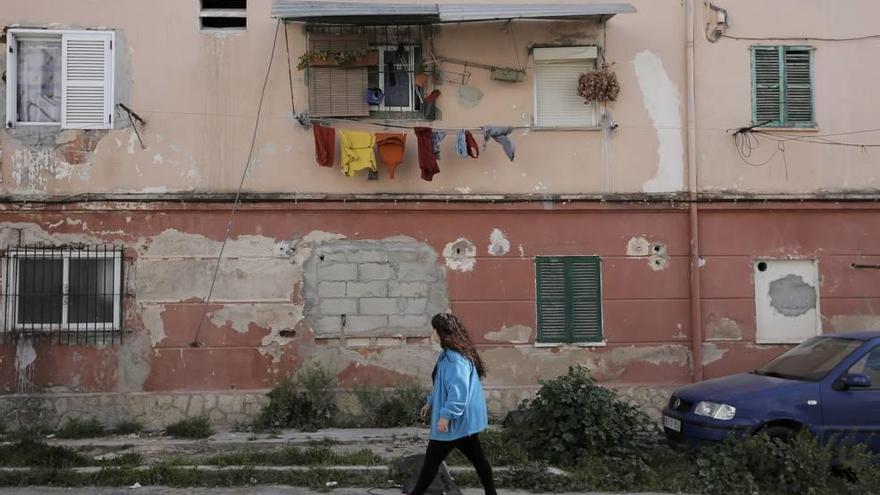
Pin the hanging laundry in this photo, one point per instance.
(357, 151)
(466, 145)
(436, 138)
(392, 148)
(500, 135)
(427, 159)
(431, 105)
(325, 144)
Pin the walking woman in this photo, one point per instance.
(456, 405)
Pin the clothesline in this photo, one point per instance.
(337, 120)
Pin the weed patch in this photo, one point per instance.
(388, 409)
(128, 428)
(293, 456)
(198, 427)
(32, 453)
(306, 402)
(76, 428)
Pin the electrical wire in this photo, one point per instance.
(237, 200)
(800, 38)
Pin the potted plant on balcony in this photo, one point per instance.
(361, 57)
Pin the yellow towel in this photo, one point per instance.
(357, 151)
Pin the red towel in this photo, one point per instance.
(325, 144)
(472, 149)
(427, 158)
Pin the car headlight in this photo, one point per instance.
(723, 412)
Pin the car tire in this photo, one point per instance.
(784, 434)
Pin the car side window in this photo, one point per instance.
(870, 367)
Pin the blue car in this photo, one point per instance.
(829, 385)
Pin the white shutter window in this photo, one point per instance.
(87, 80)
(557, 103)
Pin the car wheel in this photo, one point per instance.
(784, 434)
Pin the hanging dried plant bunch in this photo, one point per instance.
(599, 85)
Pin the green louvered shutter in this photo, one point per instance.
(569, 299)
(798, 87)
(766, 86)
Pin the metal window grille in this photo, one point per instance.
(73, 294)
(401, 57)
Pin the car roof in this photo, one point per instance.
(859, 335)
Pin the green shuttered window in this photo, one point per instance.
(782, 86)
(569, 299)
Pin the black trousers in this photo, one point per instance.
(437, 452)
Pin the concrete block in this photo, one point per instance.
(331, 289)
(409, 321)
(333, 306)
(358, 324)
(378, 288)
(407, 289)
(338, 271)
(416, 272)
(367, 256)
(357, 342)
(379, 306)
(329, 325)
(404, 256)
(333, 257)
(415, 306)
(388, 341)
(375, 271)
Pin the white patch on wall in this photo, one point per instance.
(498, 244)
(786, 301)
(663, 103)
(460, 255)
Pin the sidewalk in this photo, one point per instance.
(263, 490)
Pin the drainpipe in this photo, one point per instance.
(693, 197)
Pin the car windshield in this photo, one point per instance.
(811, 360)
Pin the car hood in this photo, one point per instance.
(734, 387)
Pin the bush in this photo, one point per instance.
(198, 427)
(572, 417)
(80, 428)
(399, 407)
(32, 453)
(306, 402)
(128, 428)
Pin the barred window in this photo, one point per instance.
(72, 292)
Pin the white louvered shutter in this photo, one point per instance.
(556, 99)
(87, 80)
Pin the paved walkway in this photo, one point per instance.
(266, 490)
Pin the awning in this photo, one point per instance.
(402, 13)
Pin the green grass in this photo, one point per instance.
(76, 428)
(198, 427)
(294, 456)
(499, 450)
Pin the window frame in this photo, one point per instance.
(570, 338)
(591, 55)
(410, 76)
(12, 52)
(65, 256)
(781, 50)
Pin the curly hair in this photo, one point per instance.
(454, 336)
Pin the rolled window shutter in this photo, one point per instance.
(557, 101)
(87, 80)
(338, 91)
(767, 88)
(798, 87)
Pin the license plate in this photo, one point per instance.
(672, 423)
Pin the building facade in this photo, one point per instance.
(172, 247)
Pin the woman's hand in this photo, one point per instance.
(426, 410)
(442, 425)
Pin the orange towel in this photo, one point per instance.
(392, 147)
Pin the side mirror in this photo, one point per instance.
(853, 380)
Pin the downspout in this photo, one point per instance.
(693, 197)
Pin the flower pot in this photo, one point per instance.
(371, 58)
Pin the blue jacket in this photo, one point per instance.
(458, 397)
